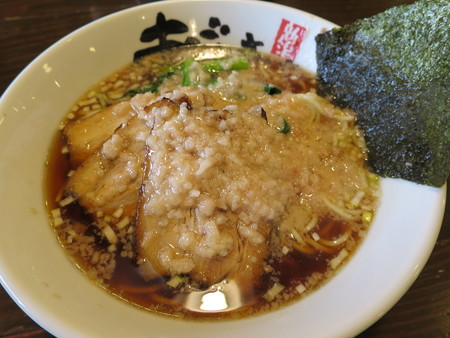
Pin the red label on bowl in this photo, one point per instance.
(288, 40)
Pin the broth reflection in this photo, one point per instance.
(224, 296)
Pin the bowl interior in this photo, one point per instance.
(44, 282)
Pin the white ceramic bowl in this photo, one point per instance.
(47, 286)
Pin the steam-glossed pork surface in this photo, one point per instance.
(110, 178)
(85, 135)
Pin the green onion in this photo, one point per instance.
(152, 87)
(336, 261)
(170, 69)
(272, 90)
(240, 64)
(213, 82)
(174, 281)
(273, 292)
(212, 66)
(286, 127)
(300, 288)
(186, 72)
(215, 66)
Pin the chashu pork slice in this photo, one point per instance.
(206, 250)
(110, 178)
(189, 220)
(85, 135)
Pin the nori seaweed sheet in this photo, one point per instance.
(393, 70)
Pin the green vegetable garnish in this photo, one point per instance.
(213, 67)
(152, 87)
(145, 89)
(240, 64)
(286, 128)
(213, 82)
(393, 70)
(170, 69)
(272, 90)
(187, 81)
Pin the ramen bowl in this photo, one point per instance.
(51, 289)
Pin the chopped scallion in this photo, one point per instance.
(152, 87)
(366, 217)
(170, 69)
(336, 261)
(110, 234)
(286, 128)
(174, 281)
(273, 292)
(123, 223)
(239, 64)
(214, 66)
(186, 72)
(272, 90)
(300, 288)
